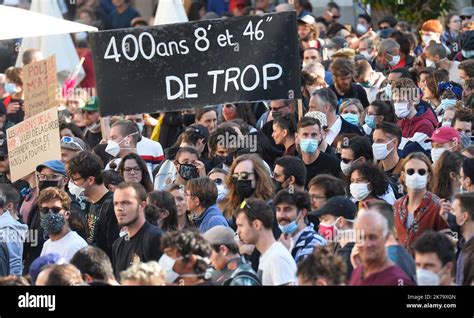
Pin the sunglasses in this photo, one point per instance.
(241, 176)
(465, 17)
(55, 210)
(336, 17)
(218, 181)
(69, 140)
(411, 172)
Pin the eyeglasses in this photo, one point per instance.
(411, 172)
(69, 140)
(317, 197)
(465, 17)
(241, 175)
(335, 17)
(134, 169)
(218, 181)
(278, 108)
(49, 177)
(54, 209)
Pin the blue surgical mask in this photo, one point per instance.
(465, 140)
(10, 88)
(467, 54)
(370, 121)
(309, 146)
(351, 119)
(445, 103)
(289, 228)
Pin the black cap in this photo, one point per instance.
(337, 206)
(199, 129)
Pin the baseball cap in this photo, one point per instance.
(308, 19)
(73, 143)
(55, 165)
(199, 129)
(220, 235)
(92, 104)
(337, 206)
(467, 11)
(42, 261)
(444, 134)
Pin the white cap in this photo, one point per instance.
(308, 19)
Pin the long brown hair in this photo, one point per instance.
(263, 186)
(442, 183)
(420, 156)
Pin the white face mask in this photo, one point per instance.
(75, 189)
(345, 167)
(361, 28)
(426, 278)
(381, 151)
(428, 38)
(359, 191)
(113, 148)
(395, 60)
(221, 192)
(415, 181)
(141, 126)
(401, 109)
(430, 63)
(366, 54)
(167, 264)
(446, 123)
(436, 153)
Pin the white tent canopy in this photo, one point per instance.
(49, 33)
(19, 23)
(170, 11)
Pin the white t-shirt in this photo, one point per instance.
(150, 151)
(66, 246)
(277, 266)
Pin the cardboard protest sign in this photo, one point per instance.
(32, 142)
(41, 86)
(178, 66)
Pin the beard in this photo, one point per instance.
(134, 220)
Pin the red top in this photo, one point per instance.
(89, 79)
(426, 217)
(400, 64)
(391, 276)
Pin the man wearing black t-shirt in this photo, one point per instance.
(308, 137)
(85, 173)
(142, 241)
(343, 71)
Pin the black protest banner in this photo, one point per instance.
(178, 66)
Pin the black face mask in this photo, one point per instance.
(187, 171)
(278, 185)
(244, 188)
(276, 114)
(227, 160)
(46, 184)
